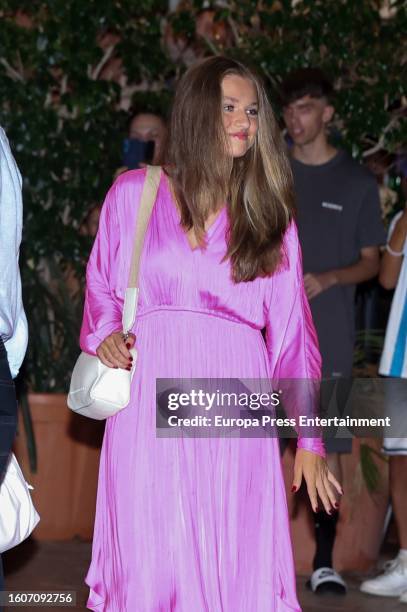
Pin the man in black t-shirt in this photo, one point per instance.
(340, 230)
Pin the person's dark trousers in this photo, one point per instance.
(8, 421)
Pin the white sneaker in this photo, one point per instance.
(391, 583)
(403, 598)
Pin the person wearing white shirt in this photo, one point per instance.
(13, 323)
(393, 274)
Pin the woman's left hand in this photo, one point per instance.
(319, 480)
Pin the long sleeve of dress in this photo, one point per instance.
(291, 339)
(103, 308)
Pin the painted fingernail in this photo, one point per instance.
(336, 505)
(116, 367)
(128, 345)
(294, 489)
(131, 358)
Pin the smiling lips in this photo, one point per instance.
(241, 135)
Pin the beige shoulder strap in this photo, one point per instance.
(148, 197)
(147, 201)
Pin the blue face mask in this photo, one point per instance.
(137, 151)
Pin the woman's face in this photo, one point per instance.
(239, 113)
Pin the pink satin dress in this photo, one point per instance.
(192, 524)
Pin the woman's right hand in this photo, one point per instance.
(114, 351)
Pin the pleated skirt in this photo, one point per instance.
(188, 524)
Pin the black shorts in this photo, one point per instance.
(340, 387)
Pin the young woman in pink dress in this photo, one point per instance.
(200, 524)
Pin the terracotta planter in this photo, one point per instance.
(361, 518)
(360, 529)
(68, 448)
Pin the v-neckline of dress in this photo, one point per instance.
(177, 217)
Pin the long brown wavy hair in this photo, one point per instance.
(257, 186)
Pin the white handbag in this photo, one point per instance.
(97, 391)
(18, 517)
